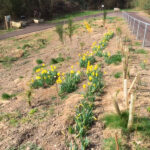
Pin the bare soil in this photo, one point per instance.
(47, 127)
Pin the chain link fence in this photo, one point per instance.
(139, 28)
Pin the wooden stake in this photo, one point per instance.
(131, 111)
(116, 140)
(6, 23)
(116, 104)
(125, 89)
(133, 82)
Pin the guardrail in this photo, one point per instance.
(140, 28)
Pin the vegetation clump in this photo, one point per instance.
(86, 58)
(44, 77)
(68, 82)
(7, 96)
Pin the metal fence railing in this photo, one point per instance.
(140, 28)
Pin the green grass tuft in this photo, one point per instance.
(142, 125)
(39, 61)
(137, 44)
(7, 96)
(57, 60)
(140, 51)
(117, 75)
(110, 144)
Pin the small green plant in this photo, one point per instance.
(70, 28)
(53, 98)
(82, 44)
(33, 111)
(37, 67)
(118, 31)
(51, 110)
(143, 64)
(13, 122)
(7, 96)
(140, 51)
(57, 60)
(126, 40)
(27, 146)
(26, 46)
(110, 144)
(85, 59)
(148, 109)
(137, 44)
(39, 61)
(117, 75)
(114, 59)
(60, 32)
(7, 61)
(42, 43)
(68, 58)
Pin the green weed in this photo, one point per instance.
(137, 44)
(57, 60)
(114, 59)
(110, 144)
(33, 111)
(140, 51)
(7, 96)
(39, 61)
(117, 75)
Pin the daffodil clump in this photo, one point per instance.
(88, 27)
(98, 49)
(45, 77)
(68, 82)
(85, 58)
(84, 119)
(95, 80)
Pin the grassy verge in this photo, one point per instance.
(6, 31)
(76, 14)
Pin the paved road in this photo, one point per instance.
(38, 27)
